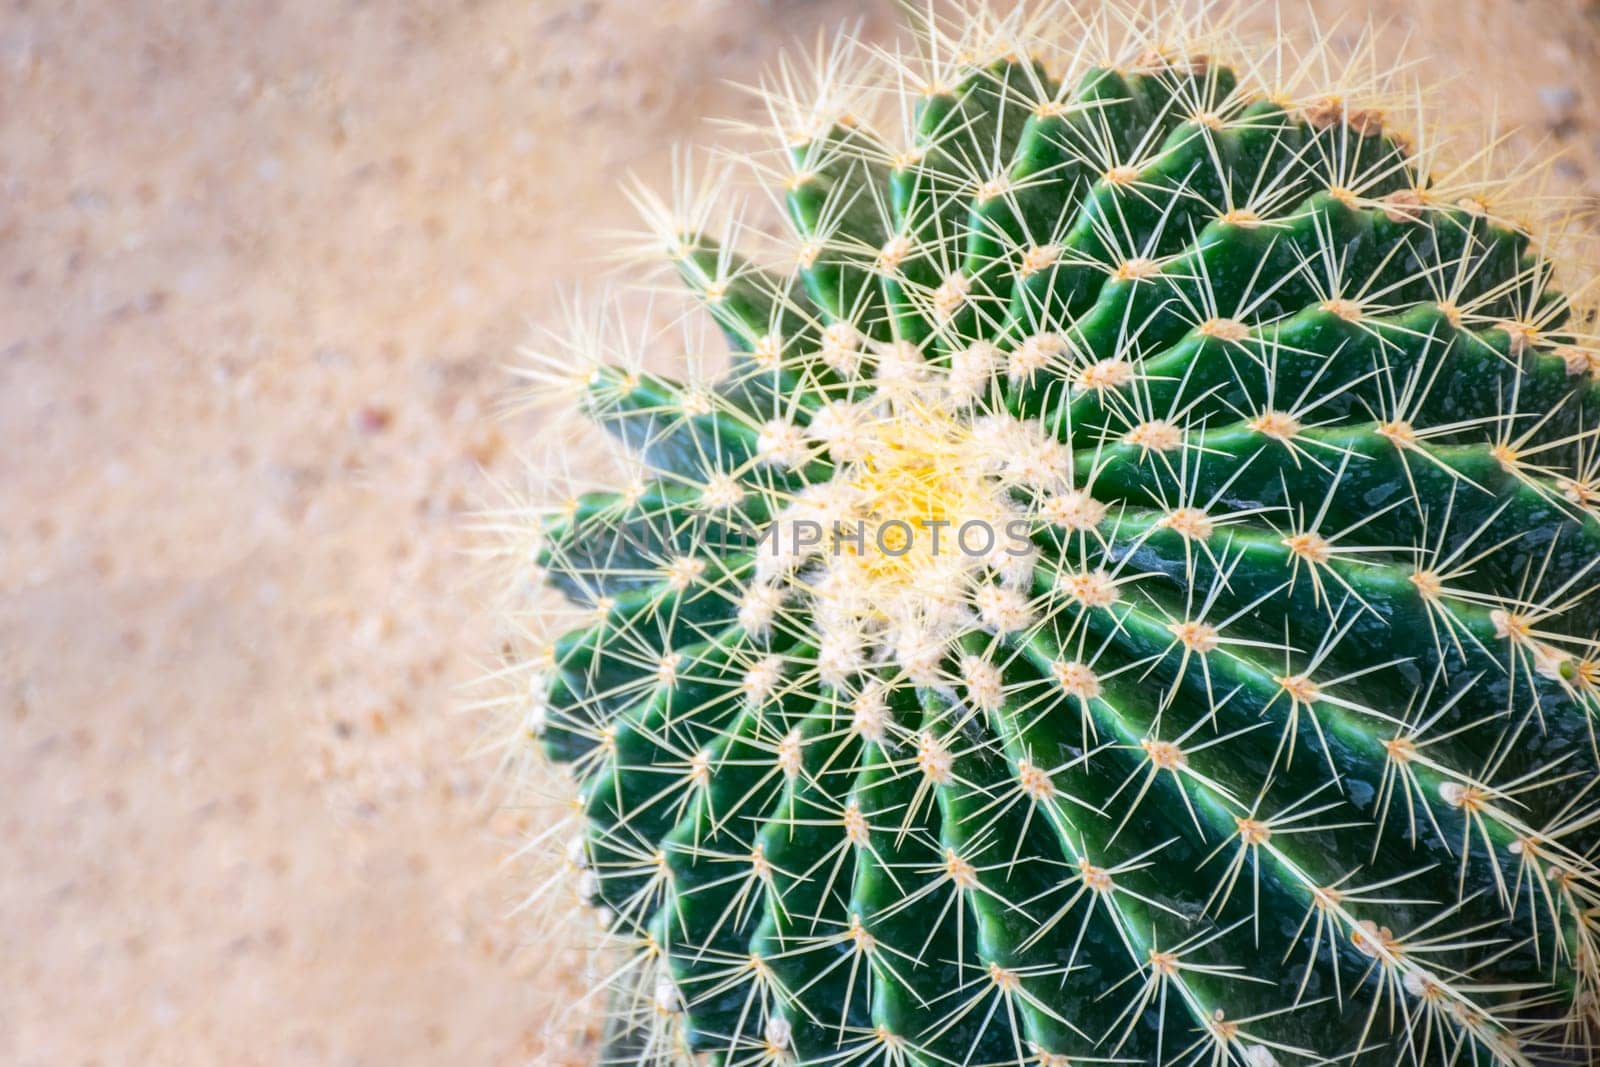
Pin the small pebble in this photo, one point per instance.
(371, 420)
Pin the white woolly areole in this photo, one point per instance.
(841, 348)
(790, 754)
(972, 370)
(869, 714)
(721, 492)
(1038, 460)
(760, 680)
(1003, 609)
(1158, 435)
(919, 651)
(758, 606)
(901, 362)
(985, 688)
(1077, 679)
(1034, 354)
(782, 444)
(1074, 509)
(841, 425)
(841, 653)
(904, 547)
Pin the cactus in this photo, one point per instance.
(1245, 713)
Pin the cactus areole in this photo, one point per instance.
(1250, 718)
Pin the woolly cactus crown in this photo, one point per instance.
(1244, 713)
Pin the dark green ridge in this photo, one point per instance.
(1366, 479)
(1247, 721)
(961, 136)
(804, 934)
(920, 955)
(752, 303)
(638, 793)
(1348, 744)
(1112, 119)
(1161, 830)
(1347, 371)
(658, 421)
(1272, 270)
(1028, 915)
(716, 902)
(834, 199)
(1022, 882)
(1159, 211)
(925, 198)
(604, 667)
(1387, 634)
(610, 543)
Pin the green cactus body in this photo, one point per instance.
(1269, 737)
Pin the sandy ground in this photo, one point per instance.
(262, 265)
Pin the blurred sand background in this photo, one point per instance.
(262, 265)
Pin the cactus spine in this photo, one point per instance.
(1272, 739)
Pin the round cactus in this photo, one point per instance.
(1129, 599)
